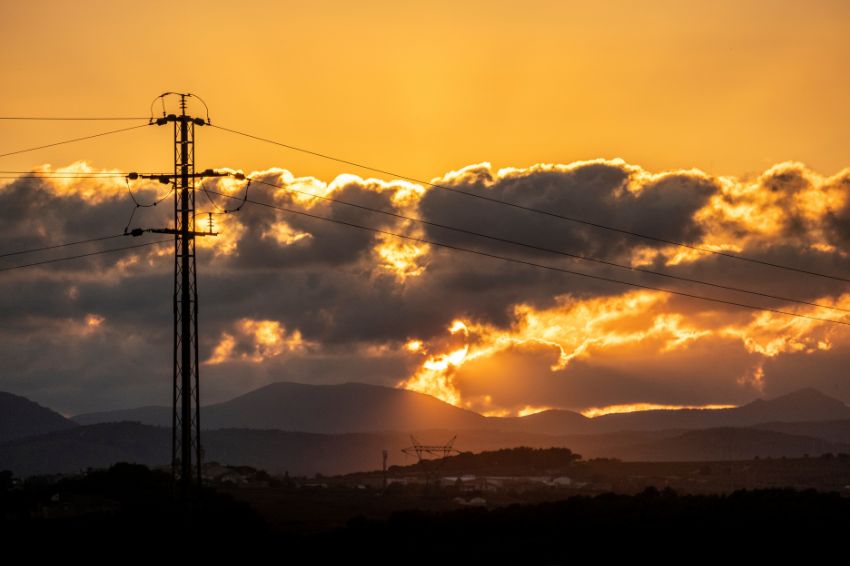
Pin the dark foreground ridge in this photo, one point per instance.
(125, 501)
(650, 523)
(130, 503)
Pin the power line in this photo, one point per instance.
(154, 202)
(65, 245)
(66, 118)
(221, 211)
(554, 251)
(74, 140)
(81, 177)
(68, 258)
(139, 205)
(533, 264)
(537, 210)
(71, 175)
(80, 173)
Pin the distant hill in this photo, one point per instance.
(333, 429)
(357, 407)
(150, 415)
(327, 409)
(96, 446)
(300, 453)
(20, 417)
(831, 431)
(554, 421)
(728, 444)
(800, 406)
(804, 405)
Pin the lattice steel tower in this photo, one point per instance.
(186, 454)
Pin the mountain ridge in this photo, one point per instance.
(20, 417)
(101, 445)
(358, 407)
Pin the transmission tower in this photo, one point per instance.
(186, 453)
(430, 458)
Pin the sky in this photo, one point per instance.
(718, 124)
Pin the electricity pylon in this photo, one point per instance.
(431, 458)
(186, 454)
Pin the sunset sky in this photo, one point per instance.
(718, 124)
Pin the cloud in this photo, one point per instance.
(287, 297)
(255, 341)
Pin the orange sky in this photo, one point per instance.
(730, 87)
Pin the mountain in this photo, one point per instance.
(327, 409)
(151, 415)
(333, 429)
(719, 444)
(357, 407)
(101, 445)
(799, 406)
(20, 417)
(96, 446)
(831, 431)
(553, 421)
(299, 453)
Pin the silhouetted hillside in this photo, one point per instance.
(831, 431)
(554, 421)
(83, 447)
(299, 453)
(150, 415)
(110, 511)
(357, 407)
(803, 405)
(522, 460)
(766, 524)
(260, 429)
(728, 444)
(20, 417)
(345, 408)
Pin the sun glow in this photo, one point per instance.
(621, 327)
(403, 259)
(284, 234)
(434, 376)
(92, 190)
(255, 341)
(529, 410)
(634, 407)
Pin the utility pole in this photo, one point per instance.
(186, 453)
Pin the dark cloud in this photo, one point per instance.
(334, 289)
(604, 193)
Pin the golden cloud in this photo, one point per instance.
(255, 341)
(632, 327)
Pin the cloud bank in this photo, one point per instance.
(288, 297)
